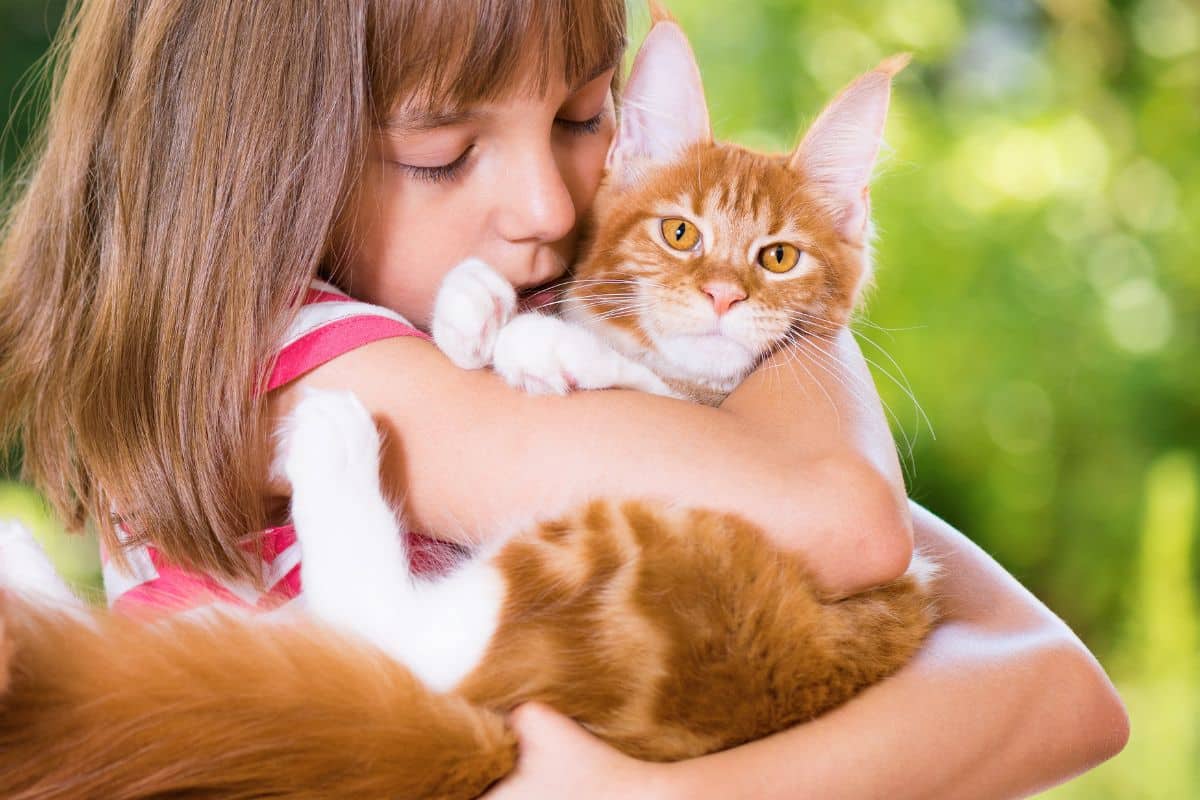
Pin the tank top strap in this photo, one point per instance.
(330, 324)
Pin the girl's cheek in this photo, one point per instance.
(587, 167)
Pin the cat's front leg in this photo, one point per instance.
(545, 355)
(472, 305)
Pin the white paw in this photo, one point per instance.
(545, 355)
(472, 305)
(24, 566)
(329, 436)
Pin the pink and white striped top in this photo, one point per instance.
(329, 324)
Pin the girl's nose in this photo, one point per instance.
(536, 205)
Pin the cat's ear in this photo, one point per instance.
(663, 110)
(838, 153)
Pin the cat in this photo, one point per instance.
(667, 632)
(704, 257)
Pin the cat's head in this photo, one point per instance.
(707, 256)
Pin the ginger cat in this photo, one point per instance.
(667, 632)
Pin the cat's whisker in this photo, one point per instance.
(792, 359)
(830, 366)
(905, 386)
(820, 323)
(892, 415)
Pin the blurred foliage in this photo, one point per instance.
(1035, 322)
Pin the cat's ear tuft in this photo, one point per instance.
(663, 110)
(659, 13)
(838, 153)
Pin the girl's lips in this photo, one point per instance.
(537, 299)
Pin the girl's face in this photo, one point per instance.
(507, 182)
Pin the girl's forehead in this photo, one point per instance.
(422, 112)
(443, 56)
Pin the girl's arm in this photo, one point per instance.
(801, 448)
(1003, 701)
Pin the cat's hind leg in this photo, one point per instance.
(26, 570)
(354, 568)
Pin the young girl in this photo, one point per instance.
(205, 163)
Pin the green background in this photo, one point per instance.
(1035, 323)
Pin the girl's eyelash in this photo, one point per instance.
(584, 128)
(442, 174)
(448, 172)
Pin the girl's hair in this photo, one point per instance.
(195, 158)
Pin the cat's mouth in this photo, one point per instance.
(537, 297)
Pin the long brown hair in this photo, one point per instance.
(181, 196)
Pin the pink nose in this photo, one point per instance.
(723, 295)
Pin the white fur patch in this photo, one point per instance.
(473, 303)
(546, 355)
(26, 570)
(355, 567)
(924, 571)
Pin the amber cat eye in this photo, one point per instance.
(680, 234)
(779, 257)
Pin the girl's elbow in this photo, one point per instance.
(871, 520)
(1096, 721)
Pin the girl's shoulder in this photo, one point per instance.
(331, 323)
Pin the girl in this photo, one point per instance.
(203, 163)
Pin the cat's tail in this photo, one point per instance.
(869, 635)
(104, 707)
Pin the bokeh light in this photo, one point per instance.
(1037, 304)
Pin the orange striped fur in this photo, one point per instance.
(669, 633)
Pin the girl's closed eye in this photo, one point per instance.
(439, 173)
(585, 127)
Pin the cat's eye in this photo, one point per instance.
(779, 257)
(680, 234)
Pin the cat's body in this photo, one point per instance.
(668, 632)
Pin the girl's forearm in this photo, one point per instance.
(472, 457)
(1003, 701)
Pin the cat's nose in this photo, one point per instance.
(723, 295)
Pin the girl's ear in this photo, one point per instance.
(662, 108)
(838, 153)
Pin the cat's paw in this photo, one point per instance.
(545, 355)
(24, 566)
(473, 304)
(329, 436)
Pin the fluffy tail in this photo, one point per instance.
(875, 633)
(101, 707)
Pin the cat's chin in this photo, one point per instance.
(712, 357)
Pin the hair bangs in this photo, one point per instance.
(452, 54)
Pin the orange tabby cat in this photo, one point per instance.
(667, 632)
